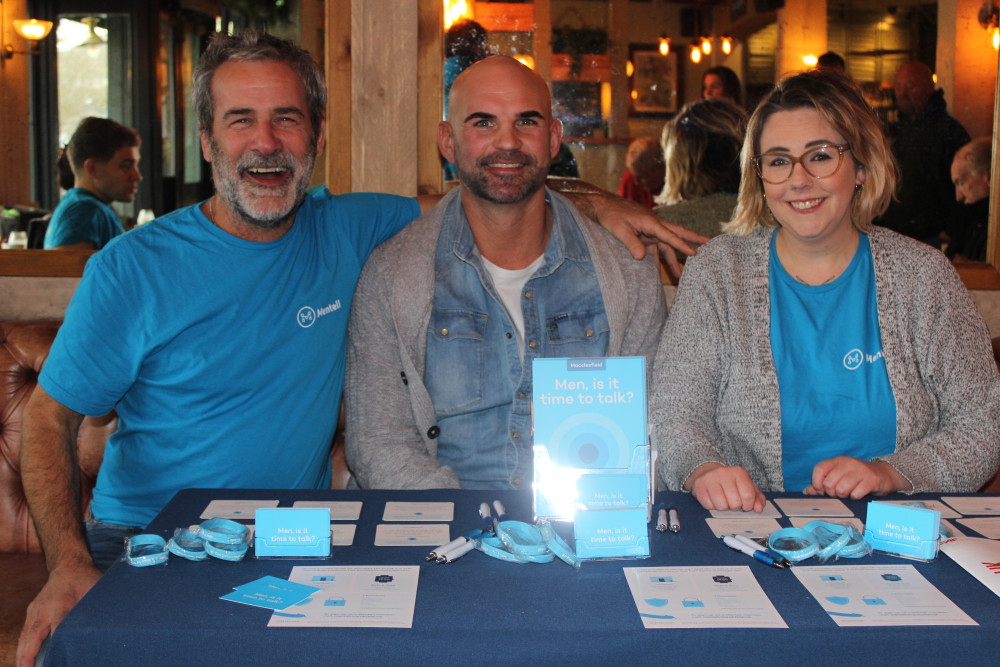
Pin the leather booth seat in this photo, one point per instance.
(24, 347)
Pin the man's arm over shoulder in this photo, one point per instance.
(386, 446)
(51, 484)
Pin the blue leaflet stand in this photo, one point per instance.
(901, 530)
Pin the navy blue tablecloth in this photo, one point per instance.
(479, 609)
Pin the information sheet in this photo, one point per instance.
(360, 596)
(863, 595)
(235, 509)
(701, 597)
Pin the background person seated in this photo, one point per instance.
(702, 147)
(104, 158)
(967, 229)
(721, 82)
(820, 353)
(644, 171)
(449, 314)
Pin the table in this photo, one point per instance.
(479, 609)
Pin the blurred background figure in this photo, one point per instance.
(831, 60)
(644, 171)
(104, 158)
(924, 141)
(465, 43)
(702, 149)
(721, 82)
(64, 171)
(970, 173)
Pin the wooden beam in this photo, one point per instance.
(338, 87)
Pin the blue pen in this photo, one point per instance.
(761, 555)
(782, 561)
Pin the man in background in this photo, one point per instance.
(645, 171)
(970, 173)
(924, 140)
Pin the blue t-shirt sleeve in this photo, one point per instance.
(368, 219)
(95, 357)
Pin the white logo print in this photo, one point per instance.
(853, 359)
(306, 317)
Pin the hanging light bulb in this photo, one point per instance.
(695, 54)
(664, 45)
(706, 45)
(996, 38)
(727, 45)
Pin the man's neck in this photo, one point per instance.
(511, 236)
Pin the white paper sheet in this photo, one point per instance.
(340, 510)
(411, 534)
(770, 512)
(987, 526)
(975, 505)
(980, 557)
(815, 507)
(701, 597)
(362, 596)
(873, 595)
(755, 528)
(396, 511)
(235, 509)
(801, 521)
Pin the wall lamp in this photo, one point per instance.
(32, 30)
(989, 19)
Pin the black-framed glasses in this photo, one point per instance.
(819, 162)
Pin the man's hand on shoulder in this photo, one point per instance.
(64, 588)
(634, 225)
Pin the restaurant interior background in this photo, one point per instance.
(131, 61)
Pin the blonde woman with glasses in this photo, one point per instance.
(808, 350)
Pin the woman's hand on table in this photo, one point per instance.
(848, 477)
(719, 487)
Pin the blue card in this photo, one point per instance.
(903, 530)
(270, 593)
(300, 532)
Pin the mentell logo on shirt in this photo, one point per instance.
(854, 359)
(307, 316)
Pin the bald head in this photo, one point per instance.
(500, 134)
(645, 160)
(914, 86)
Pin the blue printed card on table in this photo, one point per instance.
(591, 450)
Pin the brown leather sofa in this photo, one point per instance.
(24, 346)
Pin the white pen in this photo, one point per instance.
(675, 523)
(761, 556)
(661, 518)
(758, 547)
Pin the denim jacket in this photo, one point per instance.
(480, 385)
(395, 421)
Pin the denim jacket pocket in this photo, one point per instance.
(455, 353)
(579, 334)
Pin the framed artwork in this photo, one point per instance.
(653, 86)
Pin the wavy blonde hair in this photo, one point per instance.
(840, 103)
(701, 146)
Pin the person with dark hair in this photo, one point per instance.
(810, 351)
(103, 157)
(64, 171)
(702, 148)
(466, 42)
(832, 61)
(722, 82)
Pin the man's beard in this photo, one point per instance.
(262, 206)
(501, 189)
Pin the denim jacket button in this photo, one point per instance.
(433, 432)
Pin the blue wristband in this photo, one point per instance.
(187, 544)
(795, 544)
(144, 550)
(223, 531)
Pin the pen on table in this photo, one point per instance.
(761, 555)
(675, 522)
(457, 548)
(487, 516)
(501, 511)
(758, 547)
(661, 518)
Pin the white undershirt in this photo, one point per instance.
(508, 284)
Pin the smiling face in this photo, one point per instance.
(118, 178)
(809, 209)
(500, 133)
(262, 145)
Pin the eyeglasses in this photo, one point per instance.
(819, 162)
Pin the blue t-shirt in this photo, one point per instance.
(836, 399)
(224, 358)
(80, 216)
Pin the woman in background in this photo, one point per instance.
(701, 146)
(721, 82)
(810, 351)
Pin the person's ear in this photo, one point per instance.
(446, 141)
(555, 137)
(206, 144)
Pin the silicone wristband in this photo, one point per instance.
(223, 531)
(187, 544)
(144, 550)
(795, 544)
